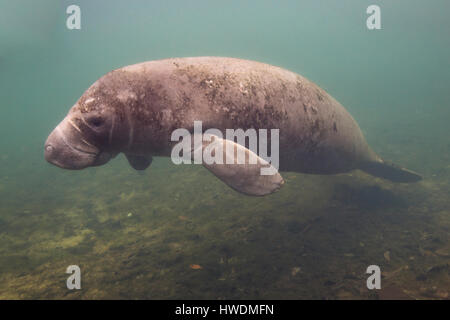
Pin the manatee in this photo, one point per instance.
(135, 109)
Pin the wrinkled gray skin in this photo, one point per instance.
(135, 109)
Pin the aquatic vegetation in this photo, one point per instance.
(298, 243)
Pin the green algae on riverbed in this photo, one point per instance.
(312, 239)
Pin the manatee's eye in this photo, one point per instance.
(96, 121)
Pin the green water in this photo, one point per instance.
(135, 236)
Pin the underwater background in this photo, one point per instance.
(177, 232)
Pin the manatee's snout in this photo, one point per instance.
(66, 148)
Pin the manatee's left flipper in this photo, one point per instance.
(252, 175)
(390, 171)
(139, 162)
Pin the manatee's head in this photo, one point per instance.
(86, 136)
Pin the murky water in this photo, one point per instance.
(177, 231)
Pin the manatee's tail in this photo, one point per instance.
(390, 171)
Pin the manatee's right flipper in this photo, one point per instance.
(390, 171)
(139, 162)
(254, 176)
(246, 177)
